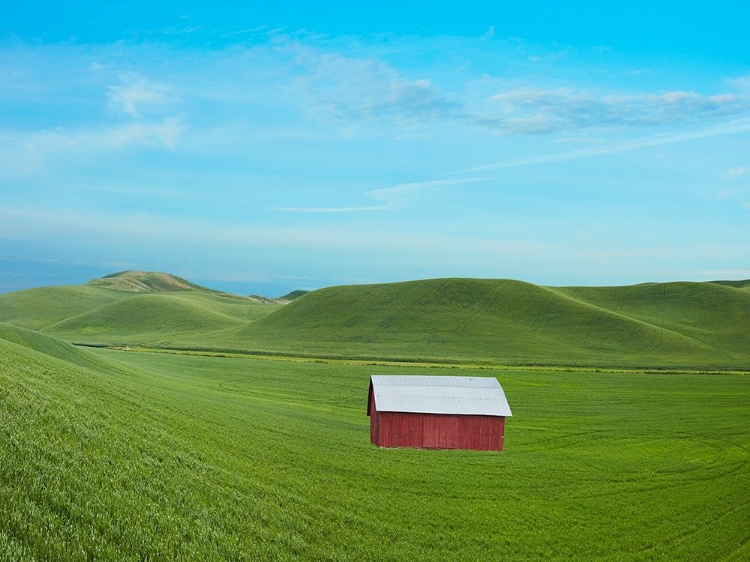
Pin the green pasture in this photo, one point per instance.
(145, 456)
(95, 315)
(492, 322)
(684, 325)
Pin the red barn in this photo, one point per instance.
(437, 412)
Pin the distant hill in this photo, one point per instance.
(149, 317)
(43, 306)
(147, 282)
(691, 325)
(664, 324)
(131, 308)
(294, 295)
(737, 284)
(285, 299)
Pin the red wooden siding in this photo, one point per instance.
(436, 431)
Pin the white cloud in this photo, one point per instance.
(736, 172)
(731, 127)
(745, 206)
(136, 92)
(533, 110)
(341, 88)
(337, 87)
(354, 89)
(673, 97)
(28, 153)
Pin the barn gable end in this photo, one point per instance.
(437, 412)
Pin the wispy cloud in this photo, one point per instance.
(731, 127)
(136, 92)
(397, 192)
(736, 172)
(392, 197)
(324, 210)
(132, 230)
(742, 83)
(352, 89)
(267, 108)
(343, 88)
(533, 110)
(27, 154)
(161, 134)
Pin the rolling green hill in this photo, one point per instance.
(737, 284)
(38, 308)
(53, 347)
(672, 324)
(130, 307)
(150, 317)
(686, 325)
(154, 318)
(147, 282)
(294, 295)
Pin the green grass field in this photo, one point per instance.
(149, 456)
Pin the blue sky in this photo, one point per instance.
(260, 149)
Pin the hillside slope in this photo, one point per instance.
(38, 308)
(717, 315)
(147, 317)
(674, 324)
(696, 325)
(131, 307)
(147, 282)
(52, 347)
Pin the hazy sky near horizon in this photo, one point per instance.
(260, 149)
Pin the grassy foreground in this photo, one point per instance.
(138, 456)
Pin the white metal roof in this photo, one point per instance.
(440, 395)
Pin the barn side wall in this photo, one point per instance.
(437, 431)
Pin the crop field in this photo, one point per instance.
(151, 456)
